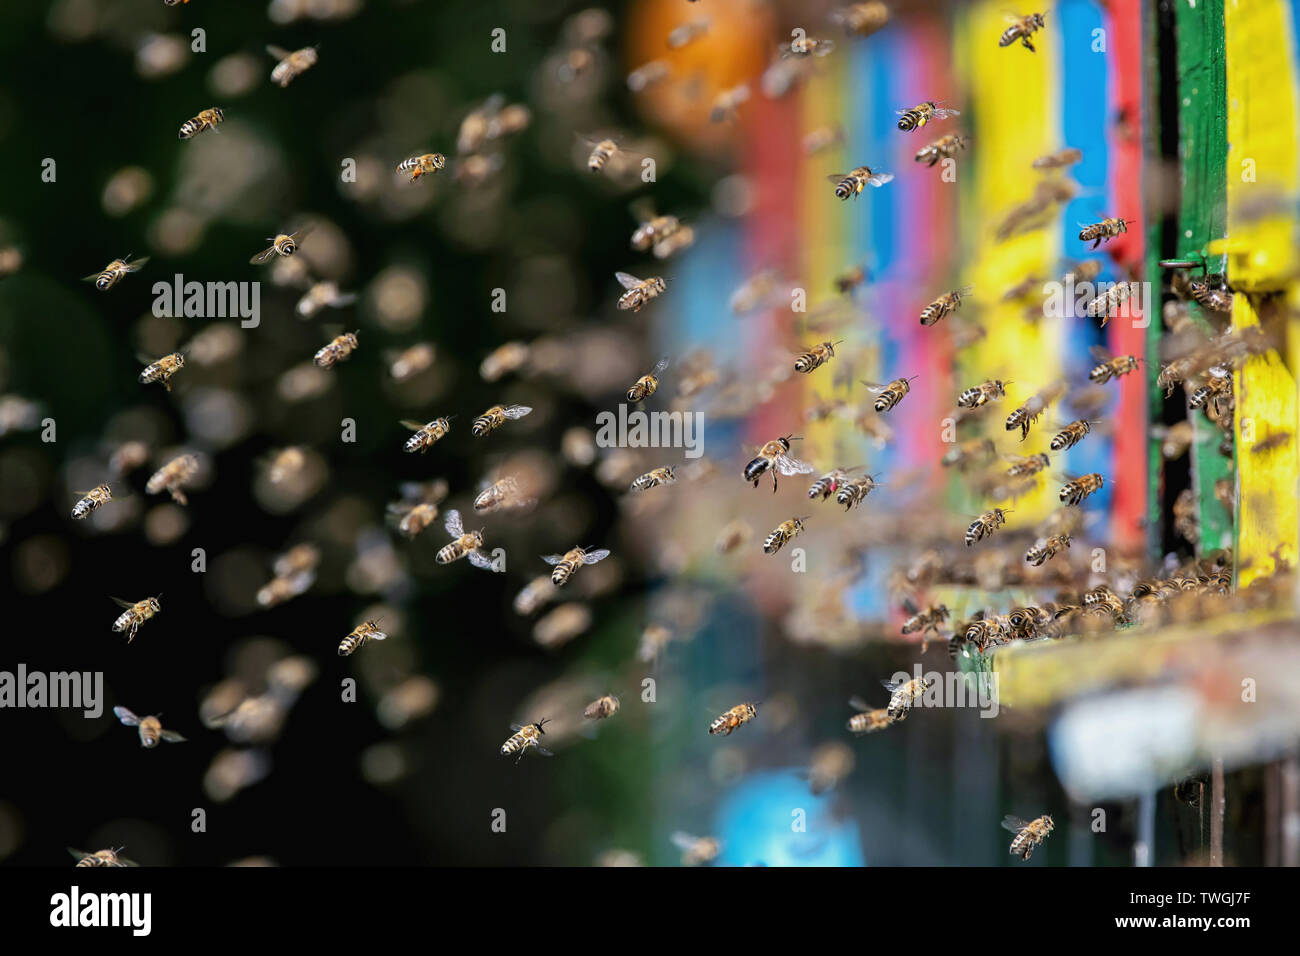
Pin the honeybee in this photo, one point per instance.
(688, 31)
(783, 532)
(151, 728)
(803, 45)
(729, 721)
(282, 244)
(1028, 413)
(1103, 305)
(829, 483)
(602, 151)
(1021, 30)
(291, 65)
(1217, 388)
(425, 434)
(112, 273)
(338, 349)
(172, 3)
(945, 147)
(652, 479)
(163, 370)
(464, 545)
(504, 493)
(1108, 368)
(92, 499)
(411, 362)
(639, 291)
(903, 694)
(1047, 548)
(944, 305)
(854, 491)
(1103, 231)
(775, 457)
(648, 74)
(526, 737)
(924, 621)
(495, 417)
(1071, 435)
(173, 476)
(696, 850)
(536, 593)
(601, 707)
(320, 296)
(862, 19)
(363, 633)
(887, 396)
(732, 536)
(822, 139)
(506, 358)
(1022, 467)
(756, 291)
(1027, 835)
(850, 185)
(208, 119)
(981, 394)
(869, 719)
(475, 129)
(815, 357)
(1077, 489)
(413, 517)
(567, 564)
(647, 385)
(423, 165)
(968, 453)
(726, 103)
(1209, 291)
(660, 233)
(1059, 159)
(918, 116)
(846, 282)
(135, 615)
(986, 524)
(105, 857)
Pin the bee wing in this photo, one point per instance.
(120, 603)
(901, 112)
(836, 177)
(1014, 824)
(516, 727)
(875, 387)
(412, 424)
(264, 255)
(857, 703)
(793, 466)
(126, 717)
(659, 367)
(481, 560)
(136, 265)
(591, 557)
(303, 233)
(625, 280)
(515, 412)
(824, 47)
(542, 751)
(879, 179)
(910, 606)
(453, 524)
(125, 862)
(172, 737)
(552, 558)
(942, 113)
(891, 685)
(278, 52)
(79, 854)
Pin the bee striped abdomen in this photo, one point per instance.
(450, 553)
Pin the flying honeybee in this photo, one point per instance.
(601, 707)
(1047, 548)
(112, 273)
(945, 305)
(291, 65)
(887, 396)
(1022, 467)
(918, 116)
(1028, 413)
(1072, 434)
(639, 291)
(822, 139)
(413, 517)
(173, 476)
(495, 417)
(728, 102)
(647, 385)
(151, 728)
(163, 370)
(869, 719)
(1208, 291)
(425, 434)
(338, 349)
(696, 850)
(733, 535)
(1022, 29)
(464, 545)
(1108, 367)
(1060, 159)
(1102, 306)
(924, 621)
(729, 721)
(1104, 231)
(850, 185)
(804, 45)
(90, 500)
(854, 491)
(135, 615)
(360, 635)
(602, 151)
(815, 357)
(775, 457)
(986, 524)
(862, 19)
(1077, 489)
(425, 164)
(104, 857)
(208, 119)
(983, 393)
(904, 694)
(567, 564)
(664, 234)
(1027, 835)
(282, 244)
(829, 483)
(652, 479)
(503, 494)
(847, 281)
(322, 295)
(1217, 389)
(782, 533)
(945, 147)
(526, 737)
